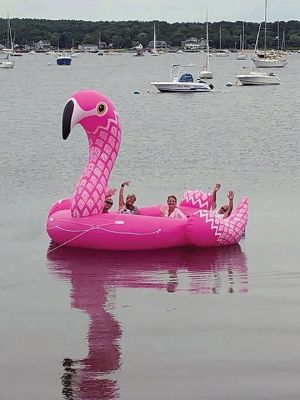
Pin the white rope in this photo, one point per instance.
(68, 241)
(73, 230)
(95, 227)
(100, 228)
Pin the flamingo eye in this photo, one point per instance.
(101, 108)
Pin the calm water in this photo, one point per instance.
(174, 324)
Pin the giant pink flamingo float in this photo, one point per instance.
(78, 222)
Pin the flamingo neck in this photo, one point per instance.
(90, 190)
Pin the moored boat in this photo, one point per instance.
(258, 78)
(64, 59)
(182, 82)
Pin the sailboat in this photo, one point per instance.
(271, 59)
(205, 73)
(5, 61)
(100, 52)
(257, 77)
(154, 51)
(4, 55)
(13, 53)
(220, 52)
(242, 55)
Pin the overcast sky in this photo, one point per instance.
(149, 10)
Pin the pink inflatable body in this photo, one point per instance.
(79, 222)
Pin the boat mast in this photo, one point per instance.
(154, 39)
(9, 35)
(257, 37)
(283, 41)
(265, 41)
(278, 45)
(243, 37)
(207, 43)
(220, 38)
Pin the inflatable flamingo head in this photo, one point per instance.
(89, 108)
(100, 120)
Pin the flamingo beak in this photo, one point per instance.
(67, 119)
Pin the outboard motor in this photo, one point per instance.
(211, 85)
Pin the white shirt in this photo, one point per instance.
(175, 214)
(216, 214)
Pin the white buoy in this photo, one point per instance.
(229, 84)
(136, 92)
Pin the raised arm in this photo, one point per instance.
(121, 194)
(110, 192)
(230, 205)
(214, 196)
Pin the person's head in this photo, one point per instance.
(223, 209)
(172, 201)
(108, 203)
(130, 200)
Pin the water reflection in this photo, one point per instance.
(96, 275)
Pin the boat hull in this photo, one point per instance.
(205, 75)
(269, 63)
(7, 64)
(64, 61)
(251, 80)
(241, 56)
(189, 87)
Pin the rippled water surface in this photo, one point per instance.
(172, 324)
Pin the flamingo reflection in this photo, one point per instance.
(96, 275)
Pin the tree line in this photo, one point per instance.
(126, 34)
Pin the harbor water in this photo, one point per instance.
(169, 324)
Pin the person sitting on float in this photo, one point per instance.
(127, 207)
(226, 209)
(172, 211)
(108, 203)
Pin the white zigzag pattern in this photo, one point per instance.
(110, 122)
(228, 234)
(190, 197)
(210, 220)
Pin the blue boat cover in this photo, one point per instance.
(186, 78)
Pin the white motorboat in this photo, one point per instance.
(206, 73)
(257, 78)
(181, 82)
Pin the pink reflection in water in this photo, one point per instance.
(94, 275)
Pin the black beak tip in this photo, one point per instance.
(67, 119)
